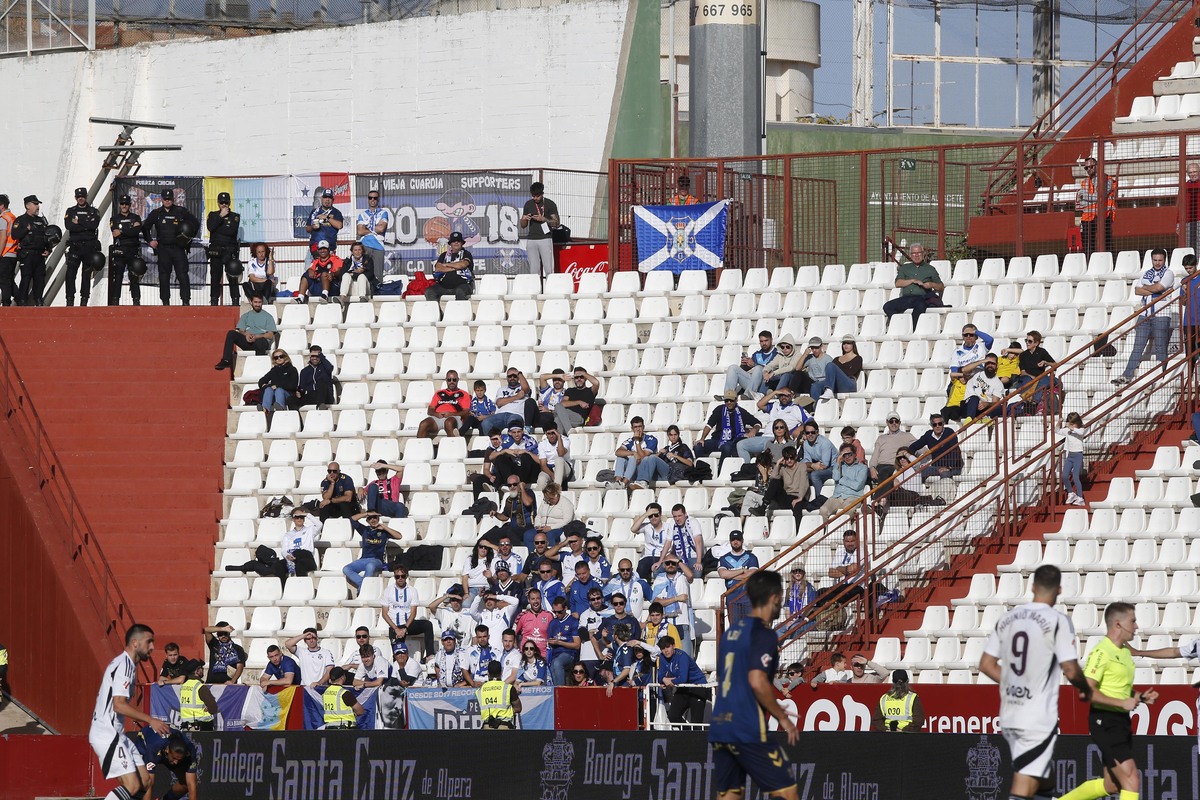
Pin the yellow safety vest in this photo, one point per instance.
(337, 713)
(191, 707)
(897, 708)
(495, 700)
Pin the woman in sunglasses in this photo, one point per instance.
(533, 670)
(578, 676)
(280, 383)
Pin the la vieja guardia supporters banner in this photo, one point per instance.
(485, 207)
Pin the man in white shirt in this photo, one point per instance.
(372, 670)
(777, 404)
(315, 661)
(983, 389)
(653, 530)
(1154, 288)
(1024, 654)
(450, 615)
(494, 611)
(555, 452)
(673, 589)
(629, 584)
(969, 356)
(449, 665)
(362, 638)
(510, 656)
(479, 655)
(400, 603)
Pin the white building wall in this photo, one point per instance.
(518, 88)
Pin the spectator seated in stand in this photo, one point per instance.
(554, 455)
(278, 385)
(317, 384)
(777, 373)
(919, 284)
(384, 494)
(946, 459)
(778, 405)
(787, 488)
(551, 394)
(323, 277)
(338, 498)
(631, 454)
(577, 401)
(447, 409)
(818, 455)
(670, 463)
(984, 389)
(1034, 361)
(553, 514)
(850, 478)
(727, 425)
(255, 330)
(824, 377)
(887, 444)
(375, 536)
(907, 489)
(746, 377)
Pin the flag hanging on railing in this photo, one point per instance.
(679, 238)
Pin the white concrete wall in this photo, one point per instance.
(519, 88)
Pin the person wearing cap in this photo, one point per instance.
(406, 670)
(505, 556)
(899, 709)
(538, 220)
(324, 222)
(371, 225)
(375, 536)
(8, 254)
(920, 286)
(126, 228)
(777, 373)
(727, 425)
(453, 272)
(747, 375)
(169, 230)
(683, 194)
(887, 445)
(385, 495)
(226, 658)
(322, 276)
(29, 234)
(450, 664)
(280, 671)
(224, 227)
(850, 477)
(341, 706)
(197, 706)
(850, 362)
(505, 580)
(779, 406)
(82, 223)
(493, 610)
(864, 670)
(734, 567)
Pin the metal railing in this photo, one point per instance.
(1011, 476)
(74, 542)
(840, 207)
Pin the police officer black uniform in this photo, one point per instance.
(83, 223)
(126, 229)
(29, 231)
(223, 243)
(166, 229)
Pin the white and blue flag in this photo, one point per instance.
(679, 238)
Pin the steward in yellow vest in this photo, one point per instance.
(197, 706)
(498, 701)
(342, 708)
(899, 710)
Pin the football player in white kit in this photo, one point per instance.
(119, 759)
(1024, 654)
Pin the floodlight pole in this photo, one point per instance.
(121, 160)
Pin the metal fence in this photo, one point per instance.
(1011, 476)
(821, 208)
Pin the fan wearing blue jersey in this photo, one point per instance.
(746, 663)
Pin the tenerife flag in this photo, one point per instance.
(679, 238)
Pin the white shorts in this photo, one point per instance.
(1032, 751)
(116, 752)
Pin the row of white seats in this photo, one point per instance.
(1169, 618)
(1164, 108)
(949, 653)
(1157, 585)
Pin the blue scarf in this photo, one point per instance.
(732, 428)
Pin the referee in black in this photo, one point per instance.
(1109, 671)
(223, 244)
(164, 230)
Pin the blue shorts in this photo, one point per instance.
(765, 762)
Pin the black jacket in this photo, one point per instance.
(82, 222)
(126, 229)
(223, 231)
(30, 234)
(283, 376)
(318, 378)
(164, 225)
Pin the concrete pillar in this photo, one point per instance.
(725, 80)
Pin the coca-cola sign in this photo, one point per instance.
(580, 259)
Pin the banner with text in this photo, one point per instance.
(485, 207)
(455, 709)
(575, 765)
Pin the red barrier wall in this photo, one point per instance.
(973, 709)
(591, 709)
(47, 766)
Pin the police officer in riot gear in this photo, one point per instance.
(166, 229)
(29, 231)
(126, 229)
(223, 228)
(83, 222)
